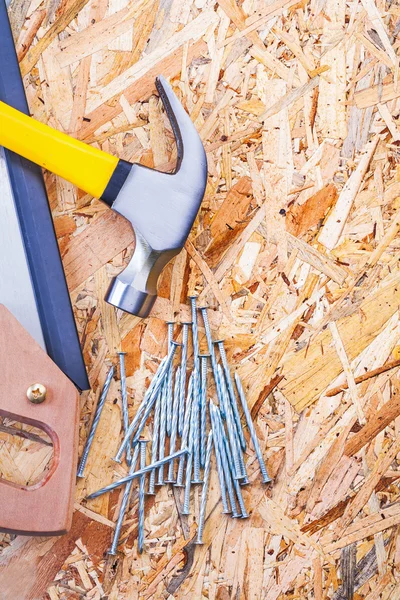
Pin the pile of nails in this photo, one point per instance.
(193, 425)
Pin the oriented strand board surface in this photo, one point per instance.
(295, 248)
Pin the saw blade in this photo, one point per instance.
(16, 288)
(32, 221)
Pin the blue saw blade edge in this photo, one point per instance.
(43, 255)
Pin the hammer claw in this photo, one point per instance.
(162, 208)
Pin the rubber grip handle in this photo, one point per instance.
(86, 167)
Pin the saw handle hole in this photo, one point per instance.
(26, 452)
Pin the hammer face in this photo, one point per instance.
(161, 208)
(135, 289)
(128, 298)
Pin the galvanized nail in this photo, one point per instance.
(124, 402)
(189, 463)
(226, 466)
(240, 467)
(170, 325)
(231, 427)
(146, 406)
(244, 480)
(124, 504)
(204, 491)
(265, 477)
(185, 339)
(228, 452)
(195, 331)
(195, 430)
(186, 429)
(95, 423)
(188, 480)
(232, 395)
(242, 506)
(174, 426)
(137, 474)
(220, 470)
(142, 485)
(163, 431)
(154, 444)
(203, 408)
(157, 388)
(204, 314)
(147, 398)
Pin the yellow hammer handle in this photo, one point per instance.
(87, 167)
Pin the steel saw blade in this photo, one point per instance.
(32, 280)
(16, 289)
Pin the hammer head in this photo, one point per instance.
(161, 208)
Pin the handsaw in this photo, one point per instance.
(39, 340)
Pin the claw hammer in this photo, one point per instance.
(161, 207)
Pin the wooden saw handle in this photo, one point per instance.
(46, 507)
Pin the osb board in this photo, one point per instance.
(295, 249)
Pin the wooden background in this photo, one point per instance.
(296, 251)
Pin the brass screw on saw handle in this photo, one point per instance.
(36, 393)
